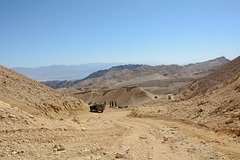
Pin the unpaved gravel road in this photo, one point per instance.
(102, 135)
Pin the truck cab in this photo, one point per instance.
(97, 107)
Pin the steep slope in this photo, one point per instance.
(16, 119)
(125, 96)
(217, 110)
(33, 97)
(212, 80)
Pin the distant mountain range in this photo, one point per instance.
(162, 79)
(63, 72)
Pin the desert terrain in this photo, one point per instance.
(161, 79)
(107, 136)
(124, 96)
(201, 122)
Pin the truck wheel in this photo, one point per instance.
(101, 111)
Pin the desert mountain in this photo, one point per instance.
(124, 96)
(217, 109)
(212, 80)
(62, 72)
(161, 79)
(34, 97)
(191, 129)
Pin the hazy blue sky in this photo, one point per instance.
(45, 32)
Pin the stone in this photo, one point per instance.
(165, 138)
(216, 129)
(200, 110)
(59, 147)
(22, 151)
(119, 155)
(84, 129)
(2, 116)
(11, 116)
(123, 152)
(77, 119)
(170, 97)
(30, 116)
(238, 133)
(229, 120)
(14, 152)
(106, 153)
(54, 149)
(98, 158)
(143, 137)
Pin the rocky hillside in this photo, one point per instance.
(115, 68)
(217, 110)
(212, 80)
(61, 84)
(34, 97)
(214, 102)
(124, 96)
(161, 79)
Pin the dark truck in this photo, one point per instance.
(97, 107)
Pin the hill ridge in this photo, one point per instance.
(161, 79)
(102, 72)
(213, 80)
(124, 96)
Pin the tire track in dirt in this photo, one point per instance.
(104, 134)
(175, 140)
(77, 142)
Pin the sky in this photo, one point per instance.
(37, 33)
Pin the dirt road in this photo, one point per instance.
(103, 135)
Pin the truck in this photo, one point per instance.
(97, 107)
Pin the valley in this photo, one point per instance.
(202, 121)
(119, 80)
